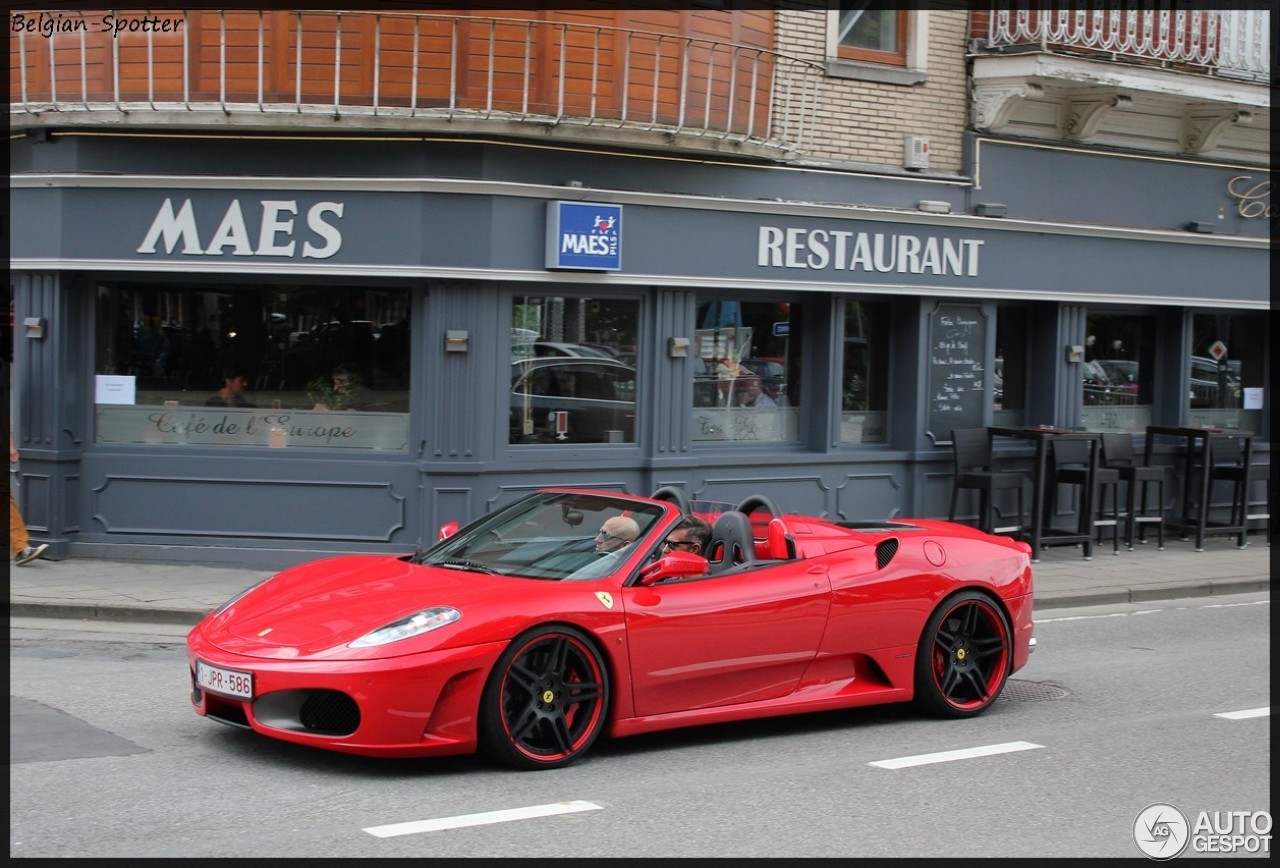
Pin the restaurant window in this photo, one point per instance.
(746, 365)
(1118, 372)
(1009, 368)
(229, 365)
(864, 392)
(1227, 371)
(573, 370)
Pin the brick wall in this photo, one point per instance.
(867, 122)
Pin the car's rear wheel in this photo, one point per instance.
(546, 700)
(964, 656)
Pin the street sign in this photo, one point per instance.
(1218, 350)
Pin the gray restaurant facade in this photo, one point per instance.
(895, 309)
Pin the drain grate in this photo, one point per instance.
(1031, 691)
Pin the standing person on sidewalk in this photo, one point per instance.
(20, 547)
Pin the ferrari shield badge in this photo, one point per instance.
(606, 598)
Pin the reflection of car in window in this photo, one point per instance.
(545, 349)
(1097, 385)
(597, 395)
(1122, 374)
(1214, 384)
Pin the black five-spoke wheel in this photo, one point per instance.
(545, 701)
(964, 656)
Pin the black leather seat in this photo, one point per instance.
(974, 469)
(732, 542)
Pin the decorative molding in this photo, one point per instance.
(1201, 128)
(1083, 117)
(994, 103)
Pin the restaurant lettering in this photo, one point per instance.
(275, 235)
(250, 425)
(841, 250)
(1253, 198)
(199, 426)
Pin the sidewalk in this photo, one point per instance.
(87, 588)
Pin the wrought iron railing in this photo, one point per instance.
(402, 67)
(1232, 43)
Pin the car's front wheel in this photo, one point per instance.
(545, 701)
(964, 655)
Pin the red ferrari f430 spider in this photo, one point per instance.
(536, 629)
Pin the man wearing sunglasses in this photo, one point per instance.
(691, 535)
(612, 540)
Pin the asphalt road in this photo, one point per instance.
(1118, 710)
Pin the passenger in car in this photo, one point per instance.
(615, 535)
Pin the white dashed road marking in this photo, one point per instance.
(1246, 714)
(395, 829)
(947, 756)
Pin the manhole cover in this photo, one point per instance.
(1030, 691)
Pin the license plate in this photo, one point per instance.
(225, 681)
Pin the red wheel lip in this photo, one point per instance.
(998, 671)
(589, 728)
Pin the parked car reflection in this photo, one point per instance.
(597, 398)
(1122, 374)
(1215, 384)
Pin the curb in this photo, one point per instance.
(98, 612)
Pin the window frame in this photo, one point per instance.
(908, 68)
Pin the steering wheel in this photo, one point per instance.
(675, 495)
(759, 501)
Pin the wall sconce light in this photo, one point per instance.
(990, 209)
(934, 206)
(678, 348)
(1201, 226)
(34, 326)
(1075, 353)
(455, 341)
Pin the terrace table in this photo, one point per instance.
(1042, 532)
(1197, 458)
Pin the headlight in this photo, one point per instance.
(230, 602)
(411, 625)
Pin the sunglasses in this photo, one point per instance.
(678, 543)
(605, 535)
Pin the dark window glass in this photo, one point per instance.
(252, 365)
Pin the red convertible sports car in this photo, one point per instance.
(515, 637)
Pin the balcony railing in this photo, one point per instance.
(392, 70)
(1230, 43)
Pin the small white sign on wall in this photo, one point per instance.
(1253, 398)
(114, 389)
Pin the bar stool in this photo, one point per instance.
(1071, 459)
(1229, 458)
(1261, 473)
(974, 469)
(1118, 455)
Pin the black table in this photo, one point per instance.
(1042, 532)
(1197, 460)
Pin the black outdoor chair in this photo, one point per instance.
(975, 469)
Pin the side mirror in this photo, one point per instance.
(448, 529)
(676, 565)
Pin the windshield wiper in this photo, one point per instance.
(461, 564)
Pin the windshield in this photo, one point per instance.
(551, 535)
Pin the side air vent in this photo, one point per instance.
(885, 552)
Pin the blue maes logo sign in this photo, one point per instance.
(584, 236)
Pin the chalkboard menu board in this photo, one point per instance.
(957, 376)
